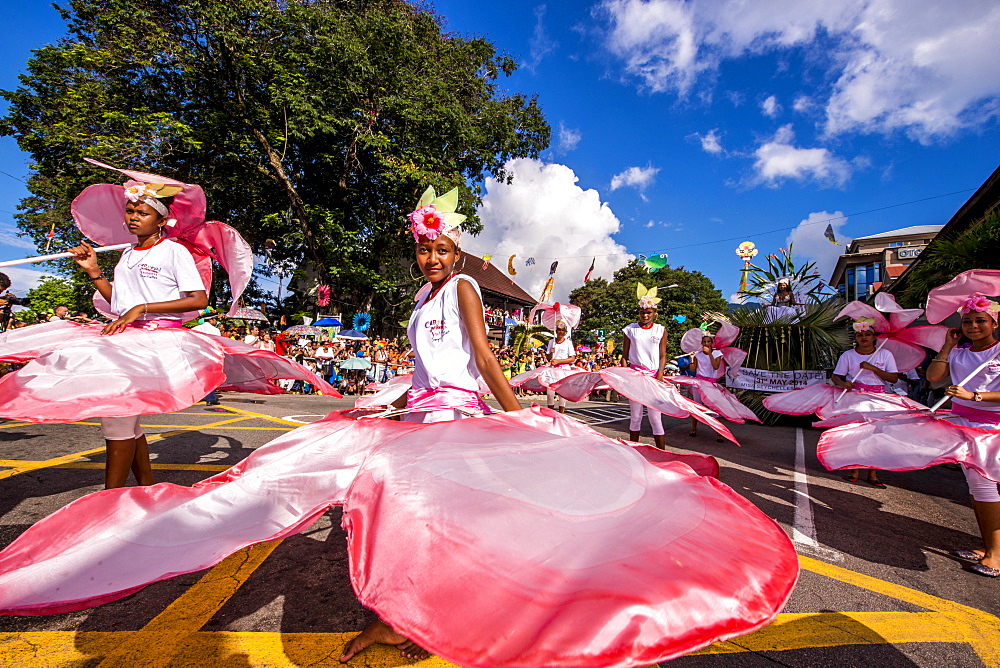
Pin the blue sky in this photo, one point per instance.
(686, 128)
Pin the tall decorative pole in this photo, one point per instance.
(746, 250)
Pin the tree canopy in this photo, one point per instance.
(613, 305)
(315, 123)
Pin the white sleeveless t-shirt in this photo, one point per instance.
(644, 349)
(443, 355)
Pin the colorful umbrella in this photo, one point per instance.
(304, 330)
(328, 322)
(248, 314)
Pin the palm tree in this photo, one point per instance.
(528, 336)
(804, 279)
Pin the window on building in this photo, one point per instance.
(859, 281)
(895, 244)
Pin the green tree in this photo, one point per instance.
(50, 293)
(613, 305)
(527, 336)
(316, 123)
(973, 248)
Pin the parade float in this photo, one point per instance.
(791, 342)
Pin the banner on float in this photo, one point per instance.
(764, 380)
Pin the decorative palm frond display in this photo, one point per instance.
(524, 336)
(804, 281)
(813, 341)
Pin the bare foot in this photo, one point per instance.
(381, 633)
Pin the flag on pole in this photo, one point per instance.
(486, 260)
(49, 237)
(590, 271)
(547, 291)
(830, 236)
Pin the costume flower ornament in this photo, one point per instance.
(435, 216)
(979, 304)
(864, 325)
(426, 223)
(647, 296)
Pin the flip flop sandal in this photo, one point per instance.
(981, 569)
(967, 555)
(851, 478)
(877, 483)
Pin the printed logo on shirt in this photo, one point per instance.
(149, 271)
(437, 329)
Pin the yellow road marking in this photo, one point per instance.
(157, 643)
(791, 631)
(979, 629)
(177, 426)
(66, 459)
(99, 465)
(262, 416)
(14, 424)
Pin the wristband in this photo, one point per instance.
(97, 278)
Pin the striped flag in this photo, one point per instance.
(590, 271)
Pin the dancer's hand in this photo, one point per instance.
(85, 256)
(959, 392)
(124, 321)
(868, 366)
(951, 340)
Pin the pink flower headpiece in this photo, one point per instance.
(435, 216)
(864, 325)
(151, 193)
(979, 304)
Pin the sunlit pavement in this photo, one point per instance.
(877, 586)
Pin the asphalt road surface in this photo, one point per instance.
(877, 584)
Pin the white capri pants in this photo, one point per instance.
(635, 415)
(553, 399)
(982, 489)
(121, 429)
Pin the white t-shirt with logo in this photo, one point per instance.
(705, 369)
(162, 272)
(850, 363)
(443, 350)
(560, 351)
(963, 361)
(644, 349)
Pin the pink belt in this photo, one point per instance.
(874, 389)
(711, 380)
(159, 323)
(975, 414)
(641, 369)
(426, 399)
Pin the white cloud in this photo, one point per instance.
(544, 214)
(778, 160)
(650, 224)
(8, 237)
(920, 66)
(637, 177)
(568, 140)
(803, 104)
(540, 44)
(22, 280)
(810, 244)
(711, 142)
(770, 107)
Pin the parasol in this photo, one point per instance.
(304, 330)
(328, 322)
(355, 363)
(247, 314)
(352, 334)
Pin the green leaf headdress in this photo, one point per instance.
(647, 296)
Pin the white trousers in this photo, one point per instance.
(635, 415)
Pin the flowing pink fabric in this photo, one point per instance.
(553, 313)
(823, 401)
(975, 414)
(583, 552)
(542, 378)
(72, 372)
(895, 334)
(909, 441)
(874, 389)
(387, 394)
(944, 300)
(703, 465)
(722, 341)
(717, 398)
(639, 386)
(427, 399)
